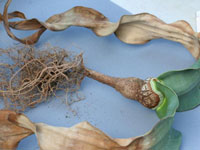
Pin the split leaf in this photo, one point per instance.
(87, 137)
(131, 29)
(10, 134)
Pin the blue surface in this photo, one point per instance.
(103, 106)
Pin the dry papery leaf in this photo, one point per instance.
(84, 136)
(10, 134)
(30, 75)
(132, 29)
(15, 14)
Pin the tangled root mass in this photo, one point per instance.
(28, 76)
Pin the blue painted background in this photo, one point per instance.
(103, 107)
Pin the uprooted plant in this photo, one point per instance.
(33, 75)
(36, 73)
(132, 29)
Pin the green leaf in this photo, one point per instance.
(171, 141)
(189, 100)
(181, 81)
(170, 102)
(186, 85)
(161, 137)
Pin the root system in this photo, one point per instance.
(28, 76)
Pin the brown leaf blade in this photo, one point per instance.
(131, 29)
(141, 28)
(31, 24)
(15, 14)
(86, 137)
(83, 17)
(28, 40)
(10, 134)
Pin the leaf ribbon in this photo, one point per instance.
(131, 29)
(86, 137)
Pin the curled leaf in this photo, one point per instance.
(15, 14)
(132, 29)
(10, 134)
(170, 101)
(86, 137)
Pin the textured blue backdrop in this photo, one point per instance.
(103, 106)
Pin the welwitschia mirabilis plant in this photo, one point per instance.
(170, 92)
(133, 29)
(88, 137)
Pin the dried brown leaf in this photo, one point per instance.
(10, 134)
(15, 14)
(84, 136)
(132, 29)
